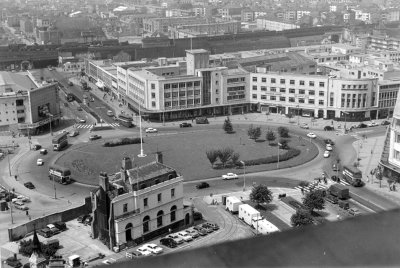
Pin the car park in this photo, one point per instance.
(329, 147)
(151, 130)
(185, 236)
(94, 137)
(193, 233)
(176, 238)
(43, 151)
(200, 230)
(133, 254)
(153, 248)
(39, 162)
(202, 185)
(74, 133)
(385, 122)
(54, 230)
(305, 126)
(144, 251)
(230, 176)
(169, 242)
(185, 124)
(214, 226)
(311, 135)
(326, 154)
(29, 185)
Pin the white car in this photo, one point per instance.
(311, 135)
(372, 124)
(110, 113)
(327, 154)
(144, 250)
(40, 162)
(305, 126)
(185, 236)
(153, 248)
(81, 120)
(329, 147)
(230, 176)
(151, 130)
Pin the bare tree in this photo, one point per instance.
(225, 155)
(212, 156)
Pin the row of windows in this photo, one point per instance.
(182, 85)
(8, 120)
(160, 216)
(235, 80)
(181, 94)
(387, 103)
(12, 111)
(290, 99)
(364, 86)
(291, 90)
(388, 95)
(181, 103)
(282, 81)
(236, 97)
(146, 200)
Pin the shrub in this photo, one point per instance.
(273, 159)
(121, 141)
(26, 248)
(283, 132)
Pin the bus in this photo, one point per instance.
(70, 97)
(59, 174)
(125, 120)
(60, 141)
(352, 175)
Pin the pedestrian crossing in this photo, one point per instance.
(319, 186)
(88, 126)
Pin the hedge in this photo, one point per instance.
(274, 158)
(121, 141)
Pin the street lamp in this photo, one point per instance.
(279, 146)
(140, 131)
(298, 115)
(345, 120)
(244, 175)
(9, 196)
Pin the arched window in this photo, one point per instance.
(160, 215)
(146, 221)
(173, 213)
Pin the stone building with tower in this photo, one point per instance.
(36, 260)
(139, 204)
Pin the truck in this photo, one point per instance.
(339, 191)
(247, 213)
(264, 227)
(232, 204)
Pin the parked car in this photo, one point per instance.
(29, 185)
(185, 124)
(144, 250)
(326, 154)
(74, 133)
(208, 229)
(343, 204)
(353, 211)
(202, 185)
(37, 147)
(82, 218)
(60, 225)
(45, 232)
(21, 207)
(176, 238)
(192, 232)
(110, 113)
(43, 151)
(54, 230)
(151, 130)
(88, 220)
(200, 230)
(94, 137)
(329, 128)
(332, 199)
(214, 226)
(305, 126)
(153, 248)
(329, 141)
(372, 124)
(311, 135)
(169, 242)
(362, 125)
(385, 122)
(230, 176)
(185, 236)
(329, 147)
(133, 254)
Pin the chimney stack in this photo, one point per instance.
(103, 181)
(126, 165)
(159, 157)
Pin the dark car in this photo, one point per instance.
(169, 242)
(362, 125)
(332, 199)
(29, 185)
(82, 218)
(94, 137)
(329, 141)
(185, 124)
(60, 225)
(329, 128)
(202, 120)
(335, 178)
(208, 229)
(37, 147)
(45, 232)
(202, 185)
(200, 230)
(214, 226)
(43, 151)
(385, 122)
(88, 220)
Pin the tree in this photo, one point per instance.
(283, 132)
(302, 217)
(284, 143)
(254, 132)
(270, 136)
(227, 127)
(235, 158)
(261, 194)
(212, 156)
(314, 200)
(225, 155)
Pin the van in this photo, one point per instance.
(343, 204)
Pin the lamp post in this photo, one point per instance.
(298, 115)
(345, 120)
(279, 146)
(55, 190)
(244, 175)
(11, 215)
(141, 139)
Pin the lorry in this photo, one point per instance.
(247, 213)
(339, 191)
(264, 227)
(232, 204)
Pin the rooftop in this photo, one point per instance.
(148, 171)
(16, 81)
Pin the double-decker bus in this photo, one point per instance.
(60, 141)
(125, 120)
(60, 174)
(352, 175)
